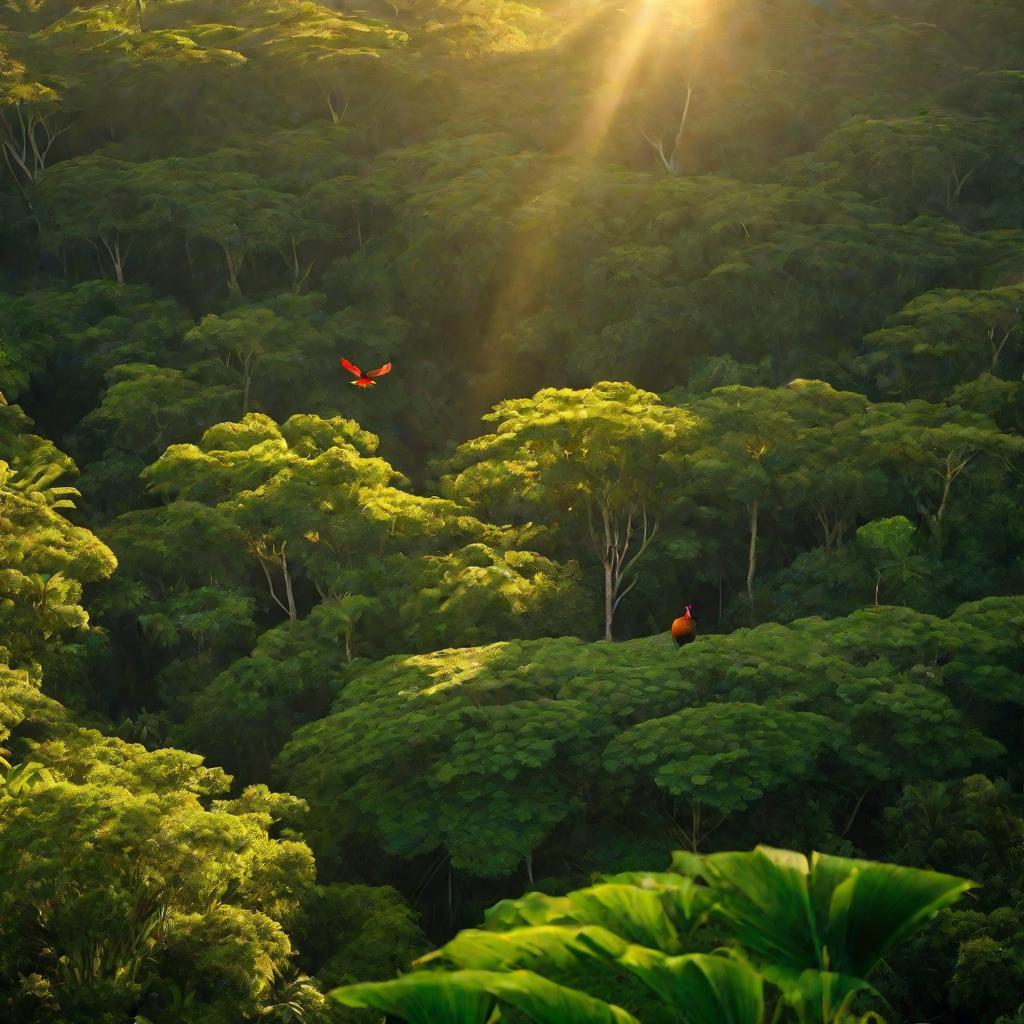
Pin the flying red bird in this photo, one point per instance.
(684, 629)
(364, 380)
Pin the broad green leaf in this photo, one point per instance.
(638, 915)
(547, 1003)
(682, 899)
(704, 988)
(871, 907)
(465, 997)
(520, 947)
(533, 908)
(763, 897)
(422, 998)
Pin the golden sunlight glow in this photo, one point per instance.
(618, 70)
(618, 73)
(531, 265)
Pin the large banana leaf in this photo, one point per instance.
(533, 908)
(649, 909)
(547, 1003)
(870, 907)
(554, 947)
(702, 988)
(835, 914)
(685, 902)
(764, 899)
(422, 998)
(638, 915)
(467, 997)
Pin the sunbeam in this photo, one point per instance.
(532, 255)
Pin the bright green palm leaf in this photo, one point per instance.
(547, 1003)
(871, 907)
(685, 902)
(423, 998)
(519, 947)
(763, 897)
(638, 915)
(533, 908)
(466, 997)
(703, 988)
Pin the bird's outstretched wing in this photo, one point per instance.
(380, 371)
(351, 367)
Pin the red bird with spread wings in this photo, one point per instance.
(364, 380)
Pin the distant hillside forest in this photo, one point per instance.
(687, 302)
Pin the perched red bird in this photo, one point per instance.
(364, 380)
(684, 629)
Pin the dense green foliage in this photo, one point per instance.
(736, 287)
(795, 940)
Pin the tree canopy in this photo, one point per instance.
(714, 306)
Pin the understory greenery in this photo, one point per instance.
(688, 303)
(740, 938)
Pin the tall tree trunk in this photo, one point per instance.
(752, 558)
(117, 257)
(233, 265)
(671, 161)
(612, 547)
(609, 600)
(289, 593)
(276, 558)
(997, 347)
(956, 462)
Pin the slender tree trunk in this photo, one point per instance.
(612, 547)
(997, 349)
(289, 593)
(955, 185)
(947, 488)
(752, 558)
(609, 600)
(234, 266)
(8, 152)
(671, 161)
(117, 257)
(677, 145)
(832, 528)
(263, 557)
(853, 815)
